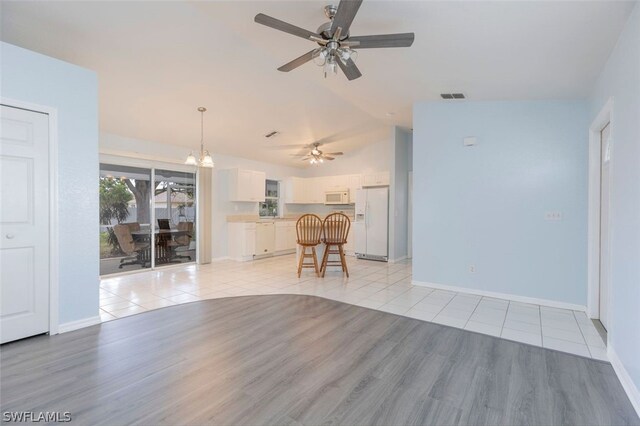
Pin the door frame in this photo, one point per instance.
(153, 164)
(593, 241)
(54, 256)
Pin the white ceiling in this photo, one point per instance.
(158, 61)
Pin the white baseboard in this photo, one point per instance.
(220, 259)
(399, 259)
(75, 325)
(629, 387)
(506, 296)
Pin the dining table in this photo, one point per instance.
(164, 254)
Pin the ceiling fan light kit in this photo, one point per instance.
(336, 46)
(205, 160)
(315, 156)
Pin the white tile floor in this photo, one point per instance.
(383, 286)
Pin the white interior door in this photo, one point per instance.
(377, 222)
(24, 223)
(604, 224)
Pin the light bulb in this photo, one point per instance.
(207, 160)
(330, 66)
(346, 54)
(191, 160)
(319, 56)
(321, 160)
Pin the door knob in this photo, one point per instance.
(10, 236)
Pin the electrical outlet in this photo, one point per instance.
(472, 269)
(553, 216)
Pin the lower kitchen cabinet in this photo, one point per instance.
(241, 240)
(249, 239)
(265, 238)
(285, 236)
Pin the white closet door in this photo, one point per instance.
(24, 223)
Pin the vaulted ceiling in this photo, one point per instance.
(158, 61)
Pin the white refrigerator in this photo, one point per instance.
(371, 225)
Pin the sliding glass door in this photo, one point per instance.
(175, 214)
(147, 218)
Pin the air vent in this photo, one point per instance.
(272, 134)
(452, 96)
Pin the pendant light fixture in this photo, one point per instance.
(205, 159)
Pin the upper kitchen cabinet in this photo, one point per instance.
(354, 183)
(295, 191)
(246, 185)
(376, 179)
(315, 190)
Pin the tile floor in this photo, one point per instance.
(382, 286)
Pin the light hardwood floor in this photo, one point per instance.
(297, 359)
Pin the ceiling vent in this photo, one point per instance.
(452, 96)
(272, 134)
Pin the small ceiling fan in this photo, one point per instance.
(316, 156)
(336, 45)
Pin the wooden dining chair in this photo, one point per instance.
(309, 232)
(335, 229)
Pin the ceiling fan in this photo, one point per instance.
(336, 45)
(316, 156)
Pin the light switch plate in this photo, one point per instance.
(553, 216)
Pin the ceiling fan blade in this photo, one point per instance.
(347, 10)
(335, 153)
(349, 69)
(277, 24)
(328, 158)
(297, 62)
(383, 40)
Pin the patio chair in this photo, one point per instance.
(182, 241)
(136, 252)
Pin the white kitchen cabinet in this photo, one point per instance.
(265, 238)
(349, 248)
(292, 236)
(285, 236)
(376, 179)
(335, 183)
(354, 182)
(315, 189)
(241, 240)
(295, 191)
(246, 185)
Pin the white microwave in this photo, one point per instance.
(336, 197)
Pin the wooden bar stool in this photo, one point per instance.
(335, 229)
(309, 231)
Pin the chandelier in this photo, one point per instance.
(205, 159)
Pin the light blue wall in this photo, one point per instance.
(485, 205)
(30, 77)
(620, 79)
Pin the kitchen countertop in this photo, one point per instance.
(256, 219)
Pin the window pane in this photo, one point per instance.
(125, 195)
(175, 212)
